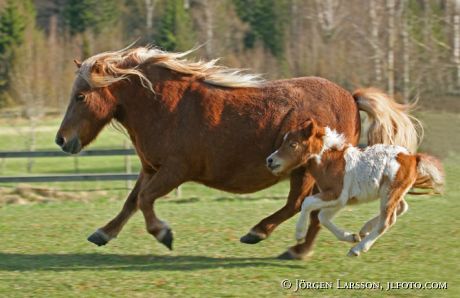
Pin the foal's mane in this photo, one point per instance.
(103, 69)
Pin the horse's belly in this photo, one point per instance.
(243, 182)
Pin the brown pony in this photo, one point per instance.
(197, 121)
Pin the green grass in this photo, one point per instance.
(43, 251)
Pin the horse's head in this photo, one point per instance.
(89, 110)
(297, 148)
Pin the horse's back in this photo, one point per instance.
(328, 103)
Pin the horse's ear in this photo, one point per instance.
(77, 62)
(97, 67)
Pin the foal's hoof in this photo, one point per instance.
(356, 238)
(167, 239)
(99, 238)
(353, 253)
(252, 238)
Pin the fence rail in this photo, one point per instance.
(54, 153)
(127, 176)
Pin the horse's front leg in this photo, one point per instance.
(301, 185)
(103, 235)
(153, 187)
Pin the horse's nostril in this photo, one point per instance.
(60, 141)
(270, 160)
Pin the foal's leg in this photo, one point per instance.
(301, 185)
(368, 226)
(388, 213)
(325, 217)
(313, 202)
(153, 187)
(103, 235)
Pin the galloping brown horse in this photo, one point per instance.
(196, 121)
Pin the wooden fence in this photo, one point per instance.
(127, 176)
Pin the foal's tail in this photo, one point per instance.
(390, 121)
(430, 175)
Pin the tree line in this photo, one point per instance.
(405, 47)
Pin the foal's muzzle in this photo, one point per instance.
(72, 146)
(271, 164)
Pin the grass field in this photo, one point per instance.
(44, 252)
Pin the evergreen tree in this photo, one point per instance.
(13, 20)
(83, 15)
(175, 27)
(266, 19)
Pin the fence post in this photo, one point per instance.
(76, 165)
(128, 167)
(2, 165)
(179, 192)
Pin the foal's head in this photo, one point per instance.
(297, 148)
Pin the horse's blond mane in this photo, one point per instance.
(106, 68)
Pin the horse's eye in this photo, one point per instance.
(293, 145)
(80, 97)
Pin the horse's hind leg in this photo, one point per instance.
(103, 235)
(152, 188)
(301, 186)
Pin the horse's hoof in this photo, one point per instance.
(291, 255)
(286, 256)
(99, 238)
(252, 238)
(167, 239)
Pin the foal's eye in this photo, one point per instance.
(80, 97)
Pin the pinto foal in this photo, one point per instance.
(347, 175)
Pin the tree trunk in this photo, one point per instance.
(457, 42)
(209, 28)
(391, 44)
(406, 50)
(149, 7)
(375, 41)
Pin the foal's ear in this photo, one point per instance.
(77, 62)
(309, 129)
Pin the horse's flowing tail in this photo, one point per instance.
(390, 121)
(430, 174)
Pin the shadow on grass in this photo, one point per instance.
(223, 199)
(95, 261)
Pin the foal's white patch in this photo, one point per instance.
(364, 170)
(331, 140)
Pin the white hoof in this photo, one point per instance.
(353, 253)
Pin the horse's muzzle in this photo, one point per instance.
(72, 146)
